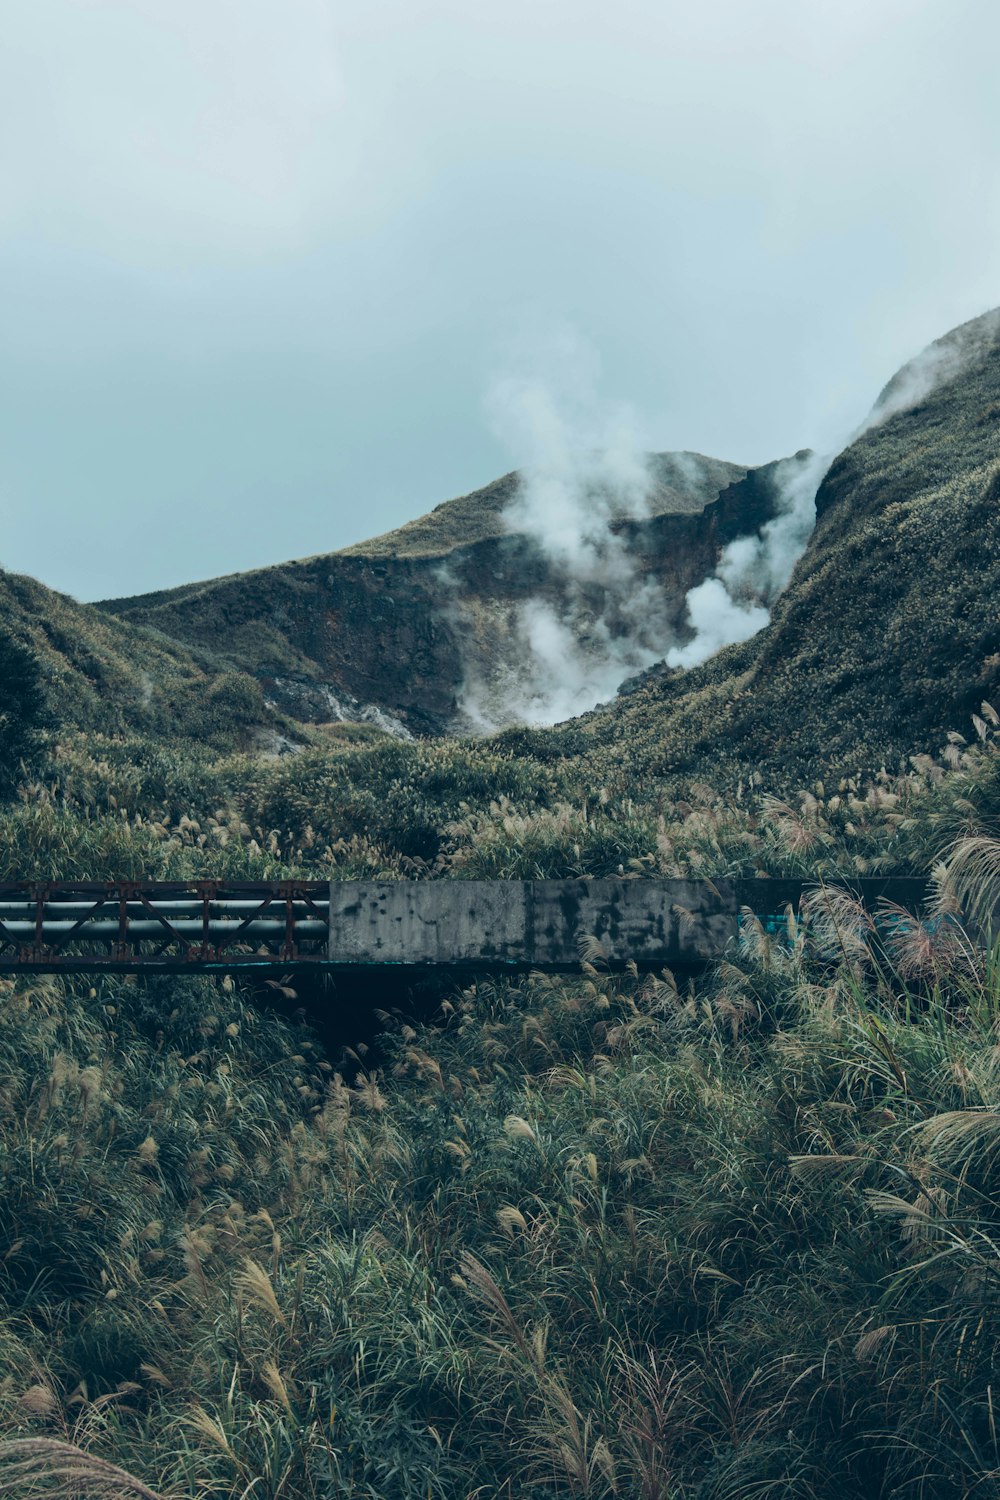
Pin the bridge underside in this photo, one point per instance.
(353, 927)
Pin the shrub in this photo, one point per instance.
(22, 709)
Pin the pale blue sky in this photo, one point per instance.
(261, 261)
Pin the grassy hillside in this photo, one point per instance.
(886, 637)
(105, 675)
(386, 624)
(884, 642)
(682, 484)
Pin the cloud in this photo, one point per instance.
(257, 254)
(168, 122)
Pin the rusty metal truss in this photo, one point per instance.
(131, 925)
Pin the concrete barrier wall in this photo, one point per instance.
(529, 923)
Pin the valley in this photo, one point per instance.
(593, 1231)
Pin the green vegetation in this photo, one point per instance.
(361, 808)
(886, 637)
(102, 674)
(589, 1237)
(22, 709)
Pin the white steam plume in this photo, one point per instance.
(583, 468)
(939, 363)
(607, 619)
(735, 602)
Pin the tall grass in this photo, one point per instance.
(590, 1236)
(131, 807)
(585, 1237)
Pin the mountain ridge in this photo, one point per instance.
(884, 639)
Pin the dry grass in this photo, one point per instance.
(54, 1470)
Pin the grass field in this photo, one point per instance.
(590, 1236)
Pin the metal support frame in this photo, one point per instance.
(129, 925)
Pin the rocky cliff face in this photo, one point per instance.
(395, 627)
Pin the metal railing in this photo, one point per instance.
(126, 925)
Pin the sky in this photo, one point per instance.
(262, 262)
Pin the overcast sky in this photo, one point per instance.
(262, 261)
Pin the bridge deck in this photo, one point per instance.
(127, 926)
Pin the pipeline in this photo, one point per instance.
(185, 919)
(131, 925)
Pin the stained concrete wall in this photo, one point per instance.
(529, 923)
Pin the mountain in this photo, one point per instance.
(885, 639)
(718, 1234)
(389, 629)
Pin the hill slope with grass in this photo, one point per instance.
(883, 640)
(103, 674)
(887, 637)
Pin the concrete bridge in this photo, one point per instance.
(353, 927)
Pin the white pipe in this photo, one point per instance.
(147, 927)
